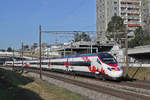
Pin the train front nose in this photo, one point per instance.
(116, 74)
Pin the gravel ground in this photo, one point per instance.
(110, 85)
(14, 86)
(92, 95)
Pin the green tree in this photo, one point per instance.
(116, 24)
(9, 49)
(3, 50)
(76, 37)
(83, 36)
(140, 38)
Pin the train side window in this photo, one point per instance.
(81, 63)
(44, 63)
(98, 61)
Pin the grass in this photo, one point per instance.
(51, 92)
(14, 86)
(142, 74)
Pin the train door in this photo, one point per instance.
(96, 65)
(70, 67)
(66, 64)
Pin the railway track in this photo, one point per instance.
(124, 94)
(137, 84)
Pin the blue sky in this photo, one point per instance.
(20, 19)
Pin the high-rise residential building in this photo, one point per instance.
(145, 14)
(134, 12)
(130, 11)
(105, 10)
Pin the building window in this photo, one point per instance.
(115, 2)
(115, 14)
(115, 8)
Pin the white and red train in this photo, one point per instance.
(99, 64)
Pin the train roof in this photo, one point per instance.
(82, 55)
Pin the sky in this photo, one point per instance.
(20, 19)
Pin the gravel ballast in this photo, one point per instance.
(91, 95)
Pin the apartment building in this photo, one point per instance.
(130, 11)
(105, 10)
(134, 12)
(145, 14)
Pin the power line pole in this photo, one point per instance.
(22, 55)
(64, 51)
(126, 54)
(71, 48)
(40, 50)
(126, 44)
(13, 60)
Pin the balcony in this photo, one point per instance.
(134, 17)
(130, 2)
(130, 6)
(134, 25)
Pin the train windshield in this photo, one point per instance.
(107, 58)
